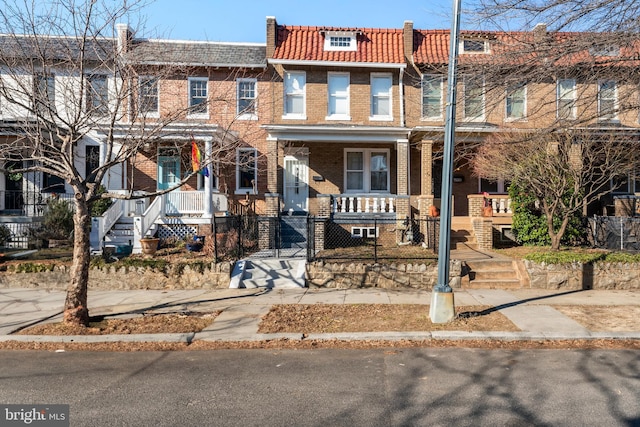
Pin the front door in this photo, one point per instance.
(168, 168)
(296, 183)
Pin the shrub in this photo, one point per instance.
(100, 206)
(530, 223)
(5, 235)
(57, 221)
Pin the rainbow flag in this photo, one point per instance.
(196, 160)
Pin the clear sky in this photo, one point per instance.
(245, 20)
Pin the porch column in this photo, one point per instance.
(426, 163)
(402, 146)
(208, 180)
(272, 165)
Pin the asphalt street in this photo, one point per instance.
(382, 387)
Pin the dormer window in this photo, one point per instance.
(474, 46)
(604, 50)
(340, 40)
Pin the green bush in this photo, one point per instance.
(5, 235)
(57, 221)
(530, 223)
(100, 206)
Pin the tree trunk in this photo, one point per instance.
(75, 306)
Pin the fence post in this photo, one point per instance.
(215, 241)
(375, 240)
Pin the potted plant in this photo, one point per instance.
(195, 243)
(149, 245)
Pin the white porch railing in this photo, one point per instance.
(363, 203)
(501, 204)
(101, 225)
(184, 202)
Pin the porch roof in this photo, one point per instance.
(175, 131)
(338, 133)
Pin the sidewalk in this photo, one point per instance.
(531, 310)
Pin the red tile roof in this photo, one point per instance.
(298, 43)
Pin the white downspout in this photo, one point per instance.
(401, 95)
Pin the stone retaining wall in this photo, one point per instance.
(357, 275)
(601, 275)
(175, 276)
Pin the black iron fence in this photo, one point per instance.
(375, 239)
(616, 233)
(372, 239)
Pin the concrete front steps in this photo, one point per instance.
(462, 235)
(269, 273)
(492, 274)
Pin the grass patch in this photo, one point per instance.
(568, 255)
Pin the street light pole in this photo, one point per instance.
(441, 309)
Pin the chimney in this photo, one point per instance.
(539, 33)
(407, 38)
(272, 27)
(125, 35)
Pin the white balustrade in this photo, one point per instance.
(343, 203)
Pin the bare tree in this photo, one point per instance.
(68, 76)
(563, 171)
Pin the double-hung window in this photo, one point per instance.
(198, 96)
(474, 102)
(516, 102)
(338, 91)
(566, 94)
(246, 96)
(148, 96)
(366, 171)
(381, 97)
(44, 99)
(432, 97)
(607, 100)
(294, 95)
(246, 171)
(98, 95)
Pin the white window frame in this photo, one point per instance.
(563, 98)
(502, 186)
(252, 115)
(440, 81)
(297, 93)
(631, 184)
(388, 95)
(198, 114)
(485, 45)
(366, 171)
(336, 95)
(239, 161)
(510, 91)
(611, 115)
(481, 116)
(141, 96)
(90, 78)
(340, 41)
(50, 89)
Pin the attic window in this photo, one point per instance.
(340, 40)
(605, 50)
(474, 46)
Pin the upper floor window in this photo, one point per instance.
(566, 99)
(98, 95)
(340, 40)
(474, 102)
(294, 94)
(432, 97)
(338, 88)
(246, 170)
(516, 102)
(148, 95)
(44, 94)
(381, 96)
(607, 100)
(474, 46)
(198, 95)
(246, 96)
